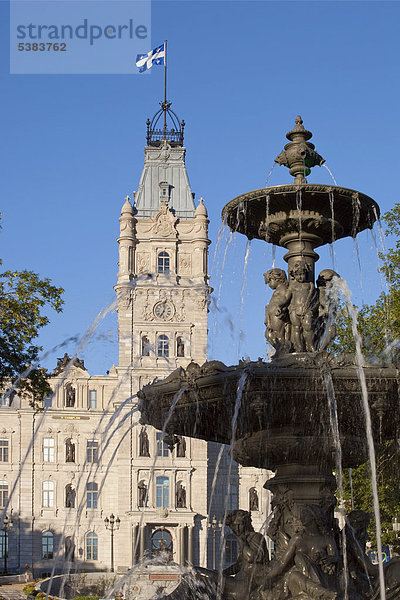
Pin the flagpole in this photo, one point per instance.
(165, 92)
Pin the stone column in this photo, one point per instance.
(181, 545)
(134, 540)
(142, 541)
(190, 544)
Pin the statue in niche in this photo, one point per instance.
(245, 577)
(69, 547)
(277, 321)
(308, 563)
(143, 443)
(180, 347)
(303, 308)
(69, 396)
(327, 307)
(69, 451)
(253, 499)
(69, 496)
(180, 495)
(142, 494)
(180, 446)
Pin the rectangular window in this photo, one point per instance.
(3, 450)
(233, 498)
(92, 399)
(47, 545)
(92, 448)
(162, 492)
(4, 400)
(48, 494)
(3, 544)
(162, 446)
(48, 450)
(92, 495)
(48, 400)
(3, 494)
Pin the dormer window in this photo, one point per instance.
(164, 191)
(163, 263)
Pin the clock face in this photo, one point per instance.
(163, 310)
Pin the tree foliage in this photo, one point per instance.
(379, 327)
(23, 298)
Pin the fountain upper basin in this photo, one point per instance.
(284, 413)
(327, 212)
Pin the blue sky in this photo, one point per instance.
(239, 73)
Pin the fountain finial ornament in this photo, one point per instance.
(299, 155)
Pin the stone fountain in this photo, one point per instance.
(285, 411)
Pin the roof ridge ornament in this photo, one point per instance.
(173, 133)
(299, 155)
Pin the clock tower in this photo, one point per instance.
(163, 297)
(162, 289)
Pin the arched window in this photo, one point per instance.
(47, 544)
(163, 346)
(92, 495)
(162, 492)
(3, 494)
(180, 347)
(161, 541)
(48, 494)
(92, 546)
(163, 263)
(69, 451)
(145, 346)
(69, 496)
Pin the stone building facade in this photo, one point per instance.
(64, 469)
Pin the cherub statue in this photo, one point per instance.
(309, 560)
(327, 307)
(246, 575)
(277, 321)
(303, 309)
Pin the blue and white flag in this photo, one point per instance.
(146, 61)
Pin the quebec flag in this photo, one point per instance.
(146, 61)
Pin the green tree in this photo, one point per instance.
(23, 297)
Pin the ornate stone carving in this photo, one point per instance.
(165, 222)
(143, 262)
(185, 264)
(147, 311)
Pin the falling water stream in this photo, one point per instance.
(330, 173)
(239, 394)
(333, 417)
(246, 258)
(340, 286)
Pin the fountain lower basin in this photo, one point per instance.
(284, 413)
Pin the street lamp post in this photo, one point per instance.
(112, 524)
(396, 526)
(214, 525)
(7, 524)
